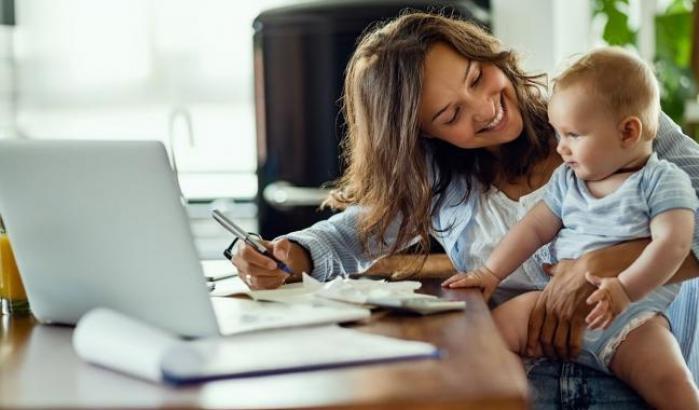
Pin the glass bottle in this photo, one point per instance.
(13, 298)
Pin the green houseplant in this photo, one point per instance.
(673, 45)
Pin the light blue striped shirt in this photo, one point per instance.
(335, 248)
(591, 223)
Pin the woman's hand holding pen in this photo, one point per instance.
(261, 272)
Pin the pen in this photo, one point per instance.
(251, 240)
(217, 278)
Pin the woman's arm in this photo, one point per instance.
(673, 145)
(324, 250)
(557, 322)
(688, 270)
(398, 267)
(335, 248)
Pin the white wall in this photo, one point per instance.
(544, 32)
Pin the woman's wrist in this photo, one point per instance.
(299, 261)
(609, 262)
(688, 270)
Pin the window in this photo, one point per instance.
(134, 69)
(146, 69)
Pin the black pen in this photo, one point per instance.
(217, 278)
(248, 239)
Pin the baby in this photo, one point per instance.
(611, 189)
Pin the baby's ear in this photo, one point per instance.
(630, 131)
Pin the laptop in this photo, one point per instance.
(101, 224)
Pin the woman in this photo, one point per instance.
(448, 136)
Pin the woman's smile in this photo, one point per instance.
(500, 120)
(467, 103)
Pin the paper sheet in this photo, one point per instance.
(116, 341)
(229, 287)
(285, 350)
(215, 268)
(237, 315)
(344, 290)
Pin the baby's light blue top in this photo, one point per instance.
(591, 223)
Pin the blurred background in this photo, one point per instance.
(244, 93)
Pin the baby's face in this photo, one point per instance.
(589, 140)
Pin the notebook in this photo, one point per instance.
(121, 343)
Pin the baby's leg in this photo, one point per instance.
(512, 320)
(650, 361)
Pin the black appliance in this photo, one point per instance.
(300, 55)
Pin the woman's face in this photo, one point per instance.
(467, 103)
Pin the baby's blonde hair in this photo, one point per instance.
(621, 81)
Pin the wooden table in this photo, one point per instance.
(38, 368)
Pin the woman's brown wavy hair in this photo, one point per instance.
(386, 164)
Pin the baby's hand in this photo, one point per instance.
(482, 278)
(610, 299)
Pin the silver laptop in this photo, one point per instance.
(101, 224)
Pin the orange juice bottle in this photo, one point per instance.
(12, 295)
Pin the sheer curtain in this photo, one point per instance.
(145, 69)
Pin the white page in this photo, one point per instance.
(235, 315)
(284, 350)
(116, 341)
(339, 290)
(215, 268)
(229, 287)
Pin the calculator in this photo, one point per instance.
(421, 305)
